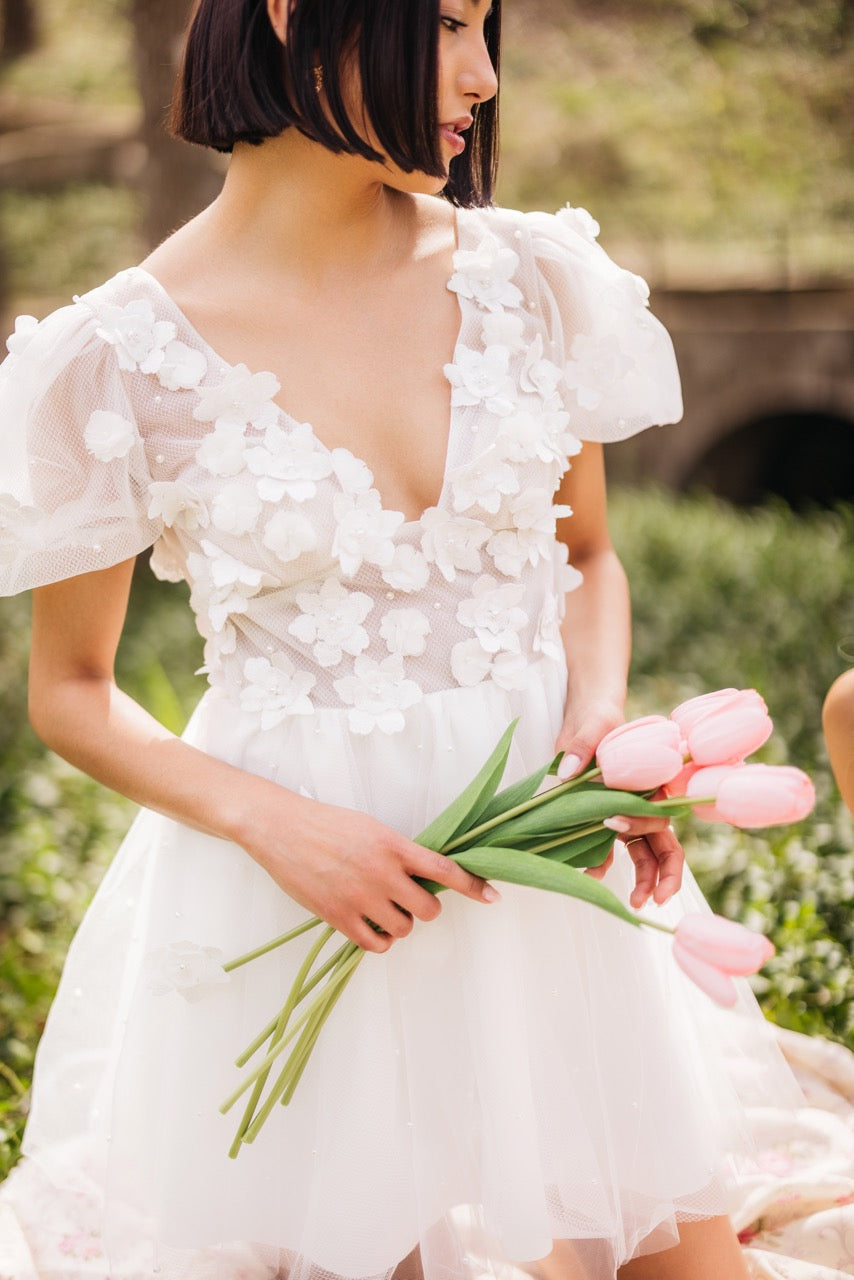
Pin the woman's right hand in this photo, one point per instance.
(348, 868)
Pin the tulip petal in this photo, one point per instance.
(725, 944)
(717, 985)
(765, 795)
(641, 755)
(688, 713)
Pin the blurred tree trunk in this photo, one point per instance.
(176, 179)
(18, 28)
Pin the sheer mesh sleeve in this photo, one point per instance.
(618, 358)
(73, 471)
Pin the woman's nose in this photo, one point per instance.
(477, 77)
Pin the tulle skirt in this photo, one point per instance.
(505, 1078)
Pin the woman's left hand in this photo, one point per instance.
(653, 848)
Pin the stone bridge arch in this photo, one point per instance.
(768, 382)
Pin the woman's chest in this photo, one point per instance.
(365, 370)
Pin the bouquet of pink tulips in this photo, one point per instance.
(545, 838)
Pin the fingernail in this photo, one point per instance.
(617, 824)
(568, 766)
(490, 894)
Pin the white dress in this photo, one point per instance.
(507, 1076)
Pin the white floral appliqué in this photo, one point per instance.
(222, 585)
(25, 331)
(173, 501)
(236, 509)
(288, 464)
(470, 665)
(183, 367)
(331, 622)
(484, 274)
(580, 221)
(364, 531)
(275, 689)
(481, 377)
(191, 970)
(597, 367)
(493, 612)
(484, 482)
(289, 535)
(530, 540)
(405, 632)
(241, 399)
(452, 542)
(378, 694)
(138, 337)
(408, 570)
(109, 435)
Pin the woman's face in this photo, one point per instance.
(466, 73)
(466, 78)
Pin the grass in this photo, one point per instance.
(721, 597)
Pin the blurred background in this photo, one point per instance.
(713, 141)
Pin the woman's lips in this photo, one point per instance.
(454, 140)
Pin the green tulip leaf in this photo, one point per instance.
(515, 866)
(594, 855)
(516, 794)
(580, 807)
(580, 851)
(463, 812)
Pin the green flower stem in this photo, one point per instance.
(298, 1058)
(567, 839)
(271, 946)
(294, 1031)
(257, 1042)
(303, 1061)
(273, 1053)
(278, 1032)
(542, 797)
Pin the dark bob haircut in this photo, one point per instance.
(239, 84)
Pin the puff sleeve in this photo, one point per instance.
(73, 470)
(619, 367)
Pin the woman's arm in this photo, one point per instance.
(838, 721)
(597, 640)
(339, 864)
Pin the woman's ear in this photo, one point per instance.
(277, 11)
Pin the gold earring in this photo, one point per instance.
(318, 78)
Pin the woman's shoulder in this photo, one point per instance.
(568, 231)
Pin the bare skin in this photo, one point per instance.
(332, 269)
(838, 723)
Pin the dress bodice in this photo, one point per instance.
(308, 591)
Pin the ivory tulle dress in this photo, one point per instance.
(507, 1076)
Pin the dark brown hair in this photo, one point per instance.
(233, 78)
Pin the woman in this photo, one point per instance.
(344, 411)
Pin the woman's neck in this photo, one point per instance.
(292, 205)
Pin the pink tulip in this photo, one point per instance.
(764, 795)
(709, 949)
(677, 786)
(688, 713)
(704, 784)
(641, 755)
(717, 985)
(725, 726)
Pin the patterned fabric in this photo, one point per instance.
(308, 591)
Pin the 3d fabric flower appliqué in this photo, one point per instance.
(484, 275)
(331, 622)
(276, 689)
(378, 694)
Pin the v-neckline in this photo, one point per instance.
(284, 416)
